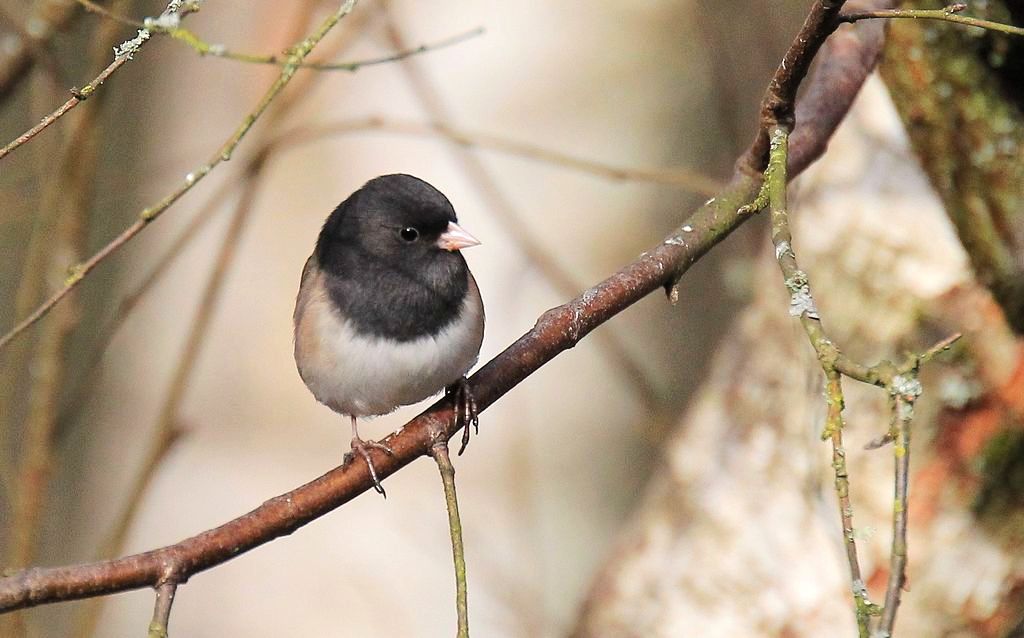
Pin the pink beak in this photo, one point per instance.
(454, 238)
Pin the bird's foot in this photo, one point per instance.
(361, 447)
(465, 410)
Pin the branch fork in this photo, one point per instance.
(900, 382)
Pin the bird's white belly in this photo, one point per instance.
(366, 375)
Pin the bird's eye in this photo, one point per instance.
(409, 234)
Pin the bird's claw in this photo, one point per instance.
(361, 447)
(465, 410)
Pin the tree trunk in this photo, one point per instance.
(739, 532)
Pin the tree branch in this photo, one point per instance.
(948, 14)
(683, 178)
(20, 53)
(556, 330)
(122, 54)
(778, 103)
(204, 48)
(901, 382)
(444, 464)
(162, 609)
(802, 306)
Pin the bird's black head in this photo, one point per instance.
(399, 218)
(394, 244)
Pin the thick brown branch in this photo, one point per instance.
(778, 103)
(556, 331)
(854, 53)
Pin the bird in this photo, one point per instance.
(388, 312)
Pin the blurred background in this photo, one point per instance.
(664, 477)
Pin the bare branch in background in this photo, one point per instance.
(19, 53)
(89, 376)
(204, 48)
(685, 179)
(122, 53)
(151, 213)
(68, 198)
(778, 106)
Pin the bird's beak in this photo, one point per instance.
(454, 238)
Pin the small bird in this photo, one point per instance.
(388, 312)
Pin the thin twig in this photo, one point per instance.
(68, 195)
(219, 51)
(778, 106)
(122, 54)
(688, 180)
(77, 96)
(898, 551)
(937, 349)
(802, 306)
(168, 428)
(444, 464)
(864, 609)
(131, 300)
(151, 213)
(801, 300)
(204, 48)
(36, 458)
(98, 9)
(166, 438)
(904, 389)
(33, 273)
(162, 609)
(33, 278)
(949, 14)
